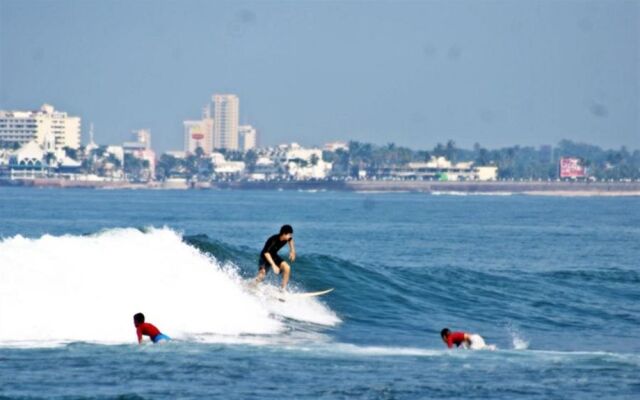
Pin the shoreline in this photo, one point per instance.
(564, 189)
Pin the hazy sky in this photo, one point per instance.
(415, 73)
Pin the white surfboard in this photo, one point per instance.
(301, 295)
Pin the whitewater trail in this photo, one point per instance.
(58, 289)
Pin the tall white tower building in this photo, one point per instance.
(41, 125)
(225, 127)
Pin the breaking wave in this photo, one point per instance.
(61, 289)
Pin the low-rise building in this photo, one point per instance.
(296, 152)
(486, 173)
(29, 155)
(307, 171)
(304, 163)
(265, 169)
(439, 168)
(224, 169)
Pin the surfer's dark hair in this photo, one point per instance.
(138, 318)
(286, 229)
(445, 332)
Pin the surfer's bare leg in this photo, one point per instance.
(286, 271)
(261, 274)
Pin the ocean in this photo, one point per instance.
(552, 282)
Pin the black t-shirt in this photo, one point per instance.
(272, 246)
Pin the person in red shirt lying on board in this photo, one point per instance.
(147, 329)
(467, 340)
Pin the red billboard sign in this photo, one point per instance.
(197, 136)
(572, 168)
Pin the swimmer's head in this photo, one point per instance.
(138, 319)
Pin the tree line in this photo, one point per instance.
(515, 162)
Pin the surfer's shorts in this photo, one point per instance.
(266, 266)
(159, 337)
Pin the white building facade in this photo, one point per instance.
(247, 137)
(226, 116)
(198, 133)
(439, 168)
(224, 168)
(302, 163)
(24, 126)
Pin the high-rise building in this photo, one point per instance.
(225, 114)
(247, 137)
(199, 133)
(47, 123)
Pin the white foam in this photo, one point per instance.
(517, 340)
(458, 193)
(87, 288)
(520, 344)
(377, 351)
(300, 309)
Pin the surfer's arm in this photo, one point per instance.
(292, 251)
(268, 257)
(139, 334)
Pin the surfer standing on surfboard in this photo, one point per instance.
(269, 257)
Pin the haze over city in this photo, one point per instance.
(413, 73)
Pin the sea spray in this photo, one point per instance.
(517, 340)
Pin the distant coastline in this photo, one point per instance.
(365, 186)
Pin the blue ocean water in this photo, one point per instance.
(553, 282)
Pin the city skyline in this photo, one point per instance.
(414, 74)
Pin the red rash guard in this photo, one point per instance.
(456, 338)
(148, 330)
